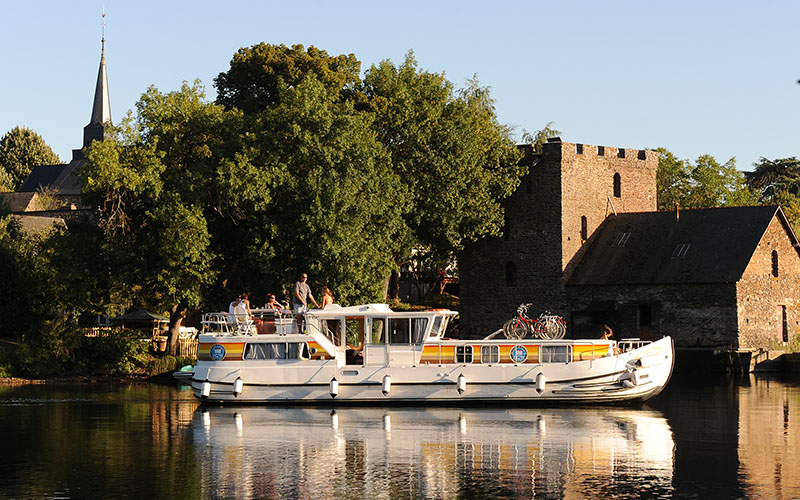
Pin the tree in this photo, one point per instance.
(707, 183)
(261, 74)
(539, 137)
(30, 295)
(771, 177)
(338, 209)
(156, 240)
(778, 182)
(21, 149)
(457, 160)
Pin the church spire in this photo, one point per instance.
(101, 109)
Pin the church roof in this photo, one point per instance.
(41, 176)
(711, 245)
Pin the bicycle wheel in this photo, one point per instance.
(538, 329)
(515, 329)
(554, 328)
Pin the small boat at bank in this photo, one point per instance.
(371, 354)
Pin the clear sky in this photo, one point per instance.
(696, 77)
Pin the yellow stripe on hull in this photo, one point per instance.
(233, 351)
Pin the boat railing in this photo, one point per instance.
(262, 321)
(217, 323)
(626, 345)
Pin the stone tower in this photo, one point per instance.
(568, 192)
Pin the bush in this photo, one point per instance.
(64, 349)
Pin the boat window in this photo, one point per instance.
(276, 350)
(437, 327)
(464, 354)
(554, 353)
(332, 329)
(418, 327)
(354, 327)
(399, 330)
(490, 354)
(376, 331)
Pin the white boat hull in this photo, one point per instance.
(638, 374)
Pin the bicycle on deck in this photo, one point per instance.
(545, 326)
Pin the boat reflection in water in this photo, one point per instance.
(409, 453)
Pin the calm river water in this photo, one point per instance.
(721, 438)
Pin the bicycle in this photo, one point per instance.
(545, 326)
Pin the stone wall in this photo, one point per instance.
(543, 236)
(524, 265)
(696, 315)
(588, 190)
(763, 297)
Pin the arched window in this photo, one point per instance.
(584, 228)
(511, 274)
(617, 186)
(775, 263)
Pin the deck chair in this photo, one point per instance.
(244, 324)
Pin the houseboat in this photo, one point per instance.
(371, 354)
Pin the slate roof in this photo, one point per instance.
(17, 202)
(700, 246)
(37, 223)
(42, 176)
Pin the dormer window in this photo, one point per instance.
(680, 251)
(621, 240)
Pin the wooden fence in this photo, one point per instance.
(187, 345)
(187, 348)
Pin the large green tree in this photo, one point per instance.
(778, 182)
(447, 145)
(21, 149)
(705, 183)
(156, 240)
(260, 75)
(453, 158)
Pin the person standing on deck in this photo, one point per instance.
(302, 293)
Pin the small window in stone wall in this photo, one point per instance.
(620, 153)
(784, 324)
(617, 186)
(584, 228)
(601, 151)
(511, 274)
(579, 149)
(775, 263)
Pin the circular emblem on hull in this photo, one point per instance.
(519, 354)
(217, 352)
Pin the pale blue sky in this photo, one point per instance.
(717, 77)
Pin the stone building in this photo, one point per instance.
(721, 277)
(567, 194)
(52, 193)
(583, 240)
